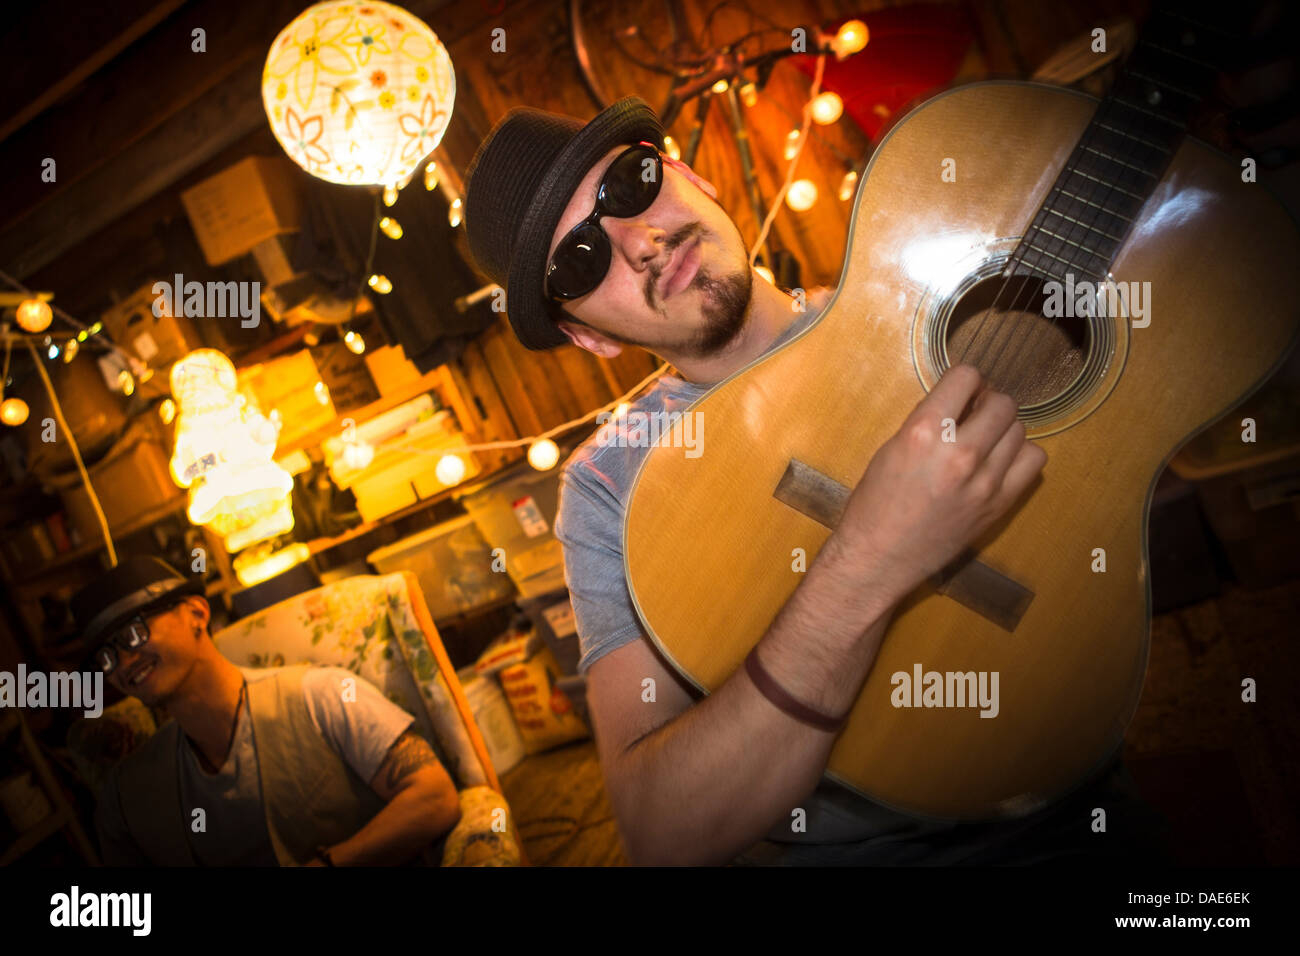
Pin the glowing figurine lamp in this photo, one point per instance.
(223, 454)
(358, 93)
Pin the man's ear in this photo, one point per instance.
(585, 337)
(197, 605)
(692, 175)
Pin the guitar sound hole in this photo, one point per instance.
(999, 327)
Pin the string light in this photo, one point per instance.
(671, 148)
(719, 87)
(848, 185)
(53, 352)
(851, 37)
(126, 382)
(355, 343)
(390, 194)
(431, 176)
(450, 469)
(749, 93)
(543, 454)
(390, 227)
(322, 393)
(13, 411)
(70, 349)
(380, 284)
(167, 411)
(34, 315)
(827, 108)
(792, 139)
(453, 213)
(801, 195)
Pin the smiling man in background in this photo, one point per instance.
(283, 768)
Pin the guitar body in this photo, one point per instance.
(710, 552)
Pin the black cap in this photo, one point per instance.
(137, 585)
(518, 183)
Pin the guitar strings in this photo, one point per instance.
(1088, 226)
(1125, 152)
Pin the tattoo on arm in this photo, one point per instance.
(408, 754)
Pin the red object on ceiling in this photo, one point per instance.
(910, 51)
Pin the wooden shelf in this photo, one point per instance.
(144, 520)
(425, 383)
(320, 545)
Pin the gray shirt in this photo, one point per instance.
(594, 488)
(235, 833)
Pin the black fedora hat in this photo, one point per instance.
(518, 183)
(136, 586)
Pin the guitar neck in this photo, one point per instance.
(1122, 154)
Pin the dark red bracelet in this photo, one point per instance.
(773, 691)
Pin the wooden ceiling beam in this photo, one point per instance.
(60, 43)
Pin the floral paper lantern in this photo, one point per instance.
(358, 93)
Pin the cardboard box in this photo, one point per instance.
(255, 199)
(288, 385)
(390, 368)
(157, 340)
(346, 376)
(130, 481)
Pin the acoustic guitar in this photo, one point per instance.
(983, 217)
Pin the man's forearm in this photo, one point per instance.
(715, 779)
(408, 823)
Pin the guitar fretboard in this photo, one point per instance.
(1122, 154)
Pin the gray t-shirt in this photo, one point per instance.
(361, 731)
(594, 487)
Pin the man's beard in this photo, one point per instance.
(724, 302)
(725, 305)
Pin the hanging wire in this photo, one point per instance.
(76, 452)
(789, 173)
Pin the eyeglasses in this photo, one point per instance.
(132, 636)
(581, 260)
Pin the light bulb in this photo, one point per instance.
(827, 108)
(766, 273)
(167, 411)
(53, 352)
(749, 94)
(450, 469)
(543, 454)
(848, 184)
(358, 455)
(13, 411)
(70, 349)
(671, 148)
(390, 227)
(380, 284)
(354, 342)
(801, 196)
(83, 335)
(851, 37)
(126, 382)
(322, 393)
(453, 214)
(34, 315)
(791, 144)
(718, 87)
(431, 175)
(390, 194)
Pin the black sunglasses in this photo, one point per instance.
(133, 635)
(581, 260)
